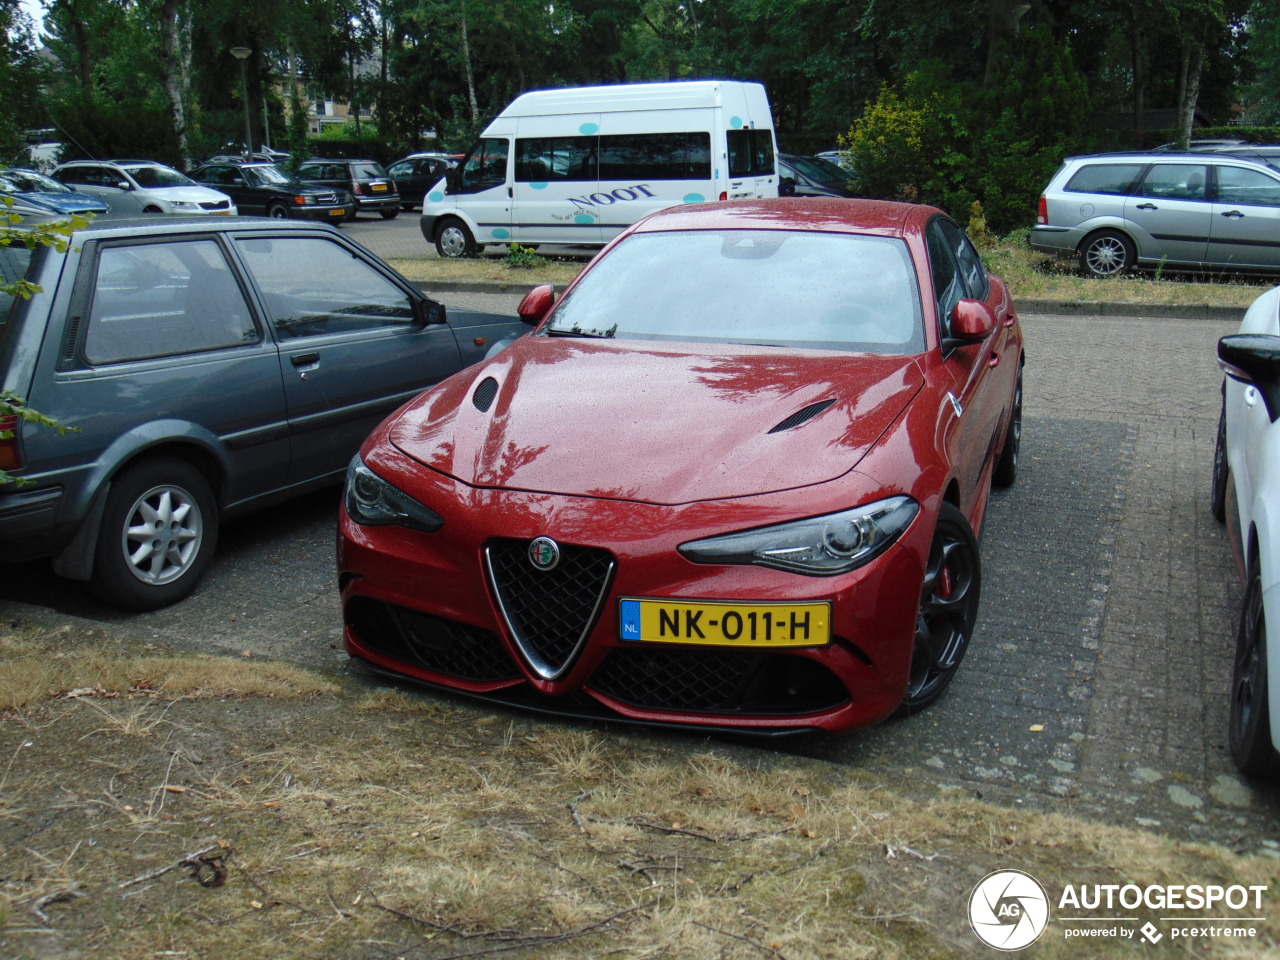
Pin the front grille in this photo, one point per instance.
(433, 643)
(326, 198)
(215, 204)
(549, 612)
(718, 681)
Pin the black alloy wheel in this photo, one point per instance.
(948, 610)
(1249, 729)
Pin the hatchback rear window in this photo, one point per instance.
(1108, 178)
(364, 170)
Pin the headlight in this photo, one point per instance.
(372, 501)
(184, 205)
(818, 547)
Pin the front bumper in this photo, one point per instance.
(423, 606)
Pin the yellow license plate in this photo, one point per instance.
(725, 624)
(378, 187)
(337, 213)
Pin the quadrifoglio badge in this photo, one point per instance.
(1009, 910)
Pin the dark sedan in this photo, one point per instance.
(265, 190)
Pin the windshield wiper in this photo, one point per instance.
(576, 331)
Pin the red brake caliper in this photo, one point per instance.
(946, 583)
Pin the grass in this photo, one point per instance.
(1030, 275)
(332, 819)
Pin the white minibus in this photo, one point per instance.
(578, 165)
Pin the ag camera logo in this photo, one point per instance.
(1008, 910)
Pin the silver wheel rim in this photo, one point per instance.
(162, 535)
(453, 242)
(1106, 256)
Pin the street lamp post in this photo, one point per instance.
(242, 54)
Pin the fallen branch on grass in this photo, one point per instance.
(196, 860)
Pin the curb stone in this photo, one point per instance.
(1077, 308)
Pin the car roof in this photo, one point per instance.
(831, 214)
(163, 226)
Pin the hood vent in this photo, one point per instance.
(485, 392)
(803, 415)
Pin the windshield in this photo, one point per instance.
(266, 174)
(28, 181)
(159, 177)
(787, 288)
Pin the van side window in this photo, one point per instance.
(750, 153)
(314, 286)
(165, 299)
(1108, 178)
(1174, 181)
(485, 167)
(656, 156)
(559, 159)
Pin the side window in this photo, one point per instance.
(1174, 181)
(1107, 178)
(314, 286)
(948, 287)
(564, 159)
(750, 153)
(656, 156)
(973, 273)
(164, 299)
(1252, 187)
(402, 169)
(485, 167)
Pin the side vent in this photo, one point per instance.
(485, 393)
(804, 415)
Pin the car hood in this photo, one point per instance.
(65, 202)
(656, 424)
(190, 194)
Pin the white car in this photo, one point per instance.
(132, 187)
(1246, 495)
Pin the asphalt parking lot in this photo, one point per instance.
(1097, 682)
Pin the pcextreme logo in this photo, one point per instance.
(1010, 910)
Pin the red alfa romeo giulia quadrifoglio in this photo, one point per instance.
(731, 480)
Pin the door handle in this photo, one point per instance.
(1147, 206)
(304, 359)
(993, 360)
(1233, 214)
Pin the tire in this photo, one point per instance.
(277, 211)
(1249, 729)
(163, 502)
(1006, 471)
(948, 610)
(1107, 253)
(1218, 489)
(391, 214)
(454, 240)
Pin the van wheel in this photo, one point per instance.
(159, 529)
(454, 240)
(1107, 253)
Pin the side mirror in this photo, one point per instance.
(124, 185)
(1254, 359)
(786, 187)
(537, 304)
(427, 312)
(971, 321)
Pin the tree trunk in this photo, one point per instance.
(466, 61)
(1188, 90)
(175, 80)
(1137, 40)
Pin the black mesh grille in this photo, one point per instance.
(802, 416)
(215, 204)
(483, 397)
(549, 611)
(443, 646)
(718, 681)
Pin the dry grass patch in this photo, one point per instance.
(490, 268)
(354, 826)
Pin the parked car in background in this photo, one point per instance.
(811, 177)
(1245, 492)
(263, 189)
(366, 181)
(708, 490)
(417, 173)
(1268, 153)
(209, 366)
(48, 195)
(1210, 143)
(131, 187)
(1188, 211)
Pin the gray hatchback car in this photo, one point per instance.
(209, 366)
(1191, 211)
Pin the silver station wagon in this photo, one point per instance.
(1190, 211)
(209, 366)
